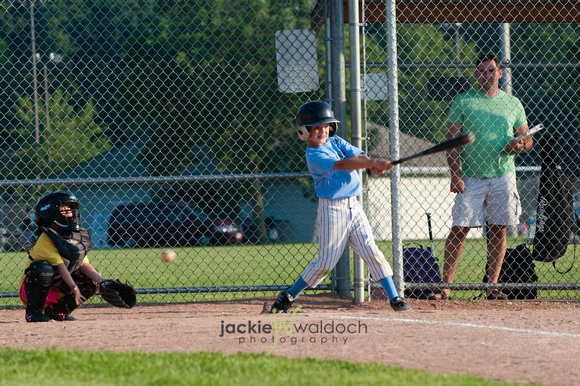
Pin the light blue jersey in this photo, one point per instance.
(330, 183)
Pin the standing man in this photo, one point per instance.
(483, 172)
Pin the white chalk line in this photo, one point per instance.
(467, 325)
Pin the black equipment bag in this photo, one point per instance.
(555, 212)
(420, 266)
(517, 267)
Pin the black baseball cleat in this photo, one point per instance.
(398, 304)
(39, 317)
(282, 303)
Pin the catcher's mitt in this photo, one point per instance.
(117, 294)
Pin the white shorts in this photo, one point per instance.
(493, 199)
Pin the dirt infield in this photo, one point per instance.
(515, 341)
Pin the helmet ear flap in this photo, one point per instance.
(333, 128)
(303, 133)
(313, 114)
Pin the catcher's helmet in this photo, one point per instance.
(313, 114)
(48, 211)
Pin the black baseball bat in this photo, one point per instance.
(445, 145)
(431, 245)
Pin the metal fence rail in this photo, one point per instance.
(153, 180)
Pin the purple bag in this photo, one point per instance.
(419, 266)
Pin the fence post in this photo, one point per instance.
(355, 119)
(391, 26)
(338, 100)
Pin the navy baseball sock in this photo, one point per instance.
(299, 286)
(389, 287)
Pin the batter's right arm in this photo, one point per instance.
(65, 274)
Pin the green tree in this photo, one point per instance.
(417, 43)
(7, 83)
(208, 80)
(71, 138)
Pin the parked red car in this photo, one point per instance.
(167, 225)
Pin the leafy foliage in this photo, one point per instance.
(71, 138)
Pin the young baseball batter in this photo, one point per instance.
(333, 163)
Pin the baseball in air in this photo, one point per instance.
(168, 255)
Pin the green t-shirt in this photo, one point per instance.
(492, 121)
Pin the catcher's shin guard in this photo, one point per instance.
(64, 307)
(60, 311)
(39, 277)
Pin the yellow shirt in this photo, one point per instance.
(44, 249)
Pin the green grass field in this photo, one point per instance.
(217, 268)
(221, 266)
(53, 367)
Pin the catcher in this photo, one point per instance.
(58, 277)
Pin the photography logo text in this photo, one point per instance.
(286, 331)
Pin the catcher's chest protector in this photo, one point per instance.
(74, 249)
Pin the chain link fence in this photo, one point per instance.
(173, 123)
(438, 45)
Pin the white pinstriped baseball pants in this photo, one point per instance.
(342, 222)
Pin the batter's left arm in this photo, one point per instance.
(361, 161)
(90, 271)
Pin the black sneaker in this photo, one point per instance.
(37, 318)
(398, 304)
(58, 316)
(496, 295)
(282, 303)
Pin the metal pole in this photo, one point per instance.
(391, 26)
(506, 58)
(34, 74)
(328, 50)
(46, 106)
(506, 79)
(457, 48)
(355, 119)
(338, 102)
